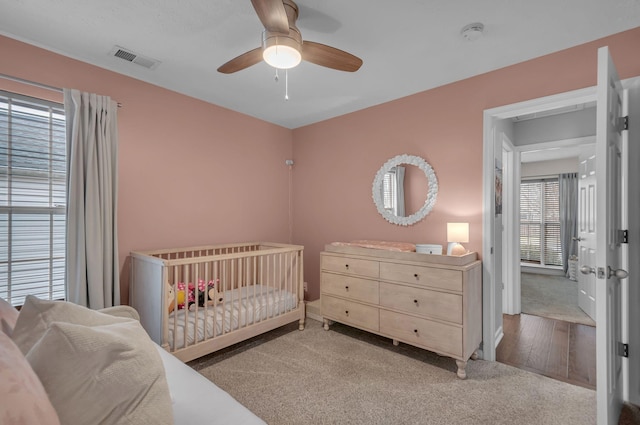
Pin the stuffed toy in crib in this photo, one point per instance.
(206, 294)
(210, 295)
(171, 298)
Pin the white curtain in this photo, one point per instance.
(400, 210)
(568, 191)
(93, 278)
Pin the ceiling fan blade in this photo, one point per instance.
(330, 57)
(272, 15)
(243, 61)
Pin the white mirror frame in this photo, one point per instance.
(431, 194)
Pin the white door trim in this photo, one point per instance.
(511, 234)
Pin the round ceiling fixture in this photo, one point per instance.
(472, 31)
(282, 51)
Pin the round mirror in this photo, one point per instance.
(399, 188)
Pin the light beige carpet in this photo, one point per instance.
(554, 297)
(346, 376)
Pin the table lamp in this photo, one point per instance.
(457, 233)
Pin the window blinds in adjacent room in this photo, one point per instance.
(540, 241)
(32, 198)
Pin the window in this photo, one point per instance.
(540, 222)
(32, 198)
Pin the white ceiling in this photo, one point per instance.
(407, 46)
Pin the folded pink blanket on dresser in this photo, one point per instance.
(389, 246)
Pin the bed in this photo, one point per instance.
(194, 301)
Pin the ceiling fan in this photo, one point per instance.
(282, 45)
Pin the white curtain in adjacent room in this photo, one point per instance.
(400, 209)
(568, 191)
(93, 278)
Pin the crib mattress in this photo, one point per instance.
(241, 307)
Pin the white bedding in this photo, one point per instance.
(241, 307)
(198, 401)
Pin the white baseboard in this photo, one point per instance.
(499, 335)
(541, 270)
(313, 310)
(314, 316)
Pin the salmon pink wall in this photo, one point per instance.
(193, 173)
(336, 160)
(190, 173)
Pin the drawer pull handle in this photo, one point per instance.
(346, 312)
(415, 331)
(415, 275)
(416, 302)
(346, 288)
(347, 266)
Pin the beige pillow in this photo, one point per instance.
(121, 311)
(108, 374)
(23, 400)
(96, 368)
(36, 315)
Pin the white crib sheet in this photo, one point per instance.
(240, 308)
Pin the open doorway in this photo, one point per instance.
(544, 328)
(614, 321)
(544, 212)
(553, 191)
(509, 132)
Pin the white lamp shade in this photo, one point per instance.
(281, 56)
(457, 232)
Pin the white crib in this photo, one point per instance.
(258, 287)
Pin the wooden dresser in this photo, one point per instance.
(429, 301)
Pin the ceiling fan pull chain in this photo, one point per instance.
(286, 85)
(276, 78)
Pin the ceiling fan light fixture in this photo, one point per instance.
(281, 56)
(282, 51)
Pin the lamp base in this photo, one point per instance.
(454, 248)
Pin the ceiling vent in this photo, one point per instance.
(129, 56)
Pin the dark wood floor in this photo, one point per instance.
(560, 350)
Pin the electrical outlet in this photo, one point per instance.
(304, 286)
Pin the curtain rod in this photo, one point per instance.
(33, 83)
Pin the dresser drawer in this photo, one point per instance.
(430, 276)
(350, 313)
(434, 336)
(351, 266)
(439, 305)
(350, 287)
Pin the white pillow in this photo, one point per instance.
(107, 374)
(36, 315)
(96, 368)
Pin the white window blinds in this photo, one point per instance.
(32, 198)
(540, 222)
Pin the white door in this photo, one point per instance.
(587, 230)
(609, 198)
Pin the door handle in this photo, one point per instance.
(587, 270)
(578, 239)
(619, 273)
